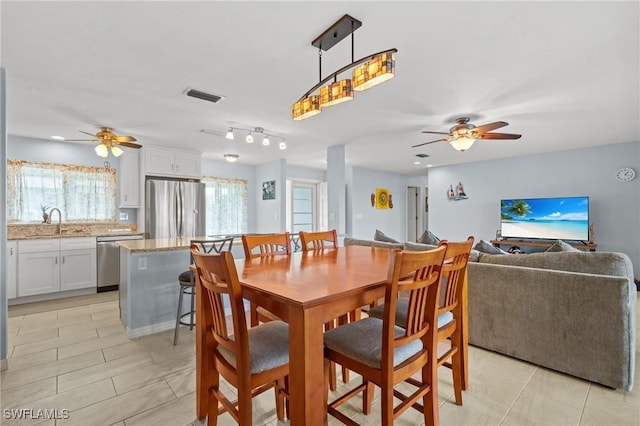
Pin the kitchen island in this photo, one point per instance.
(149, 289)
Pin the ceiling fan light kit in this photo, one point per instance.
(109, 141)
(462, 136)
(371, 70)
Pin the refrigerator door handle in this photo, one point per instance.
(179, 200)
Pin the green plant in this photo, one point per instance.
(519, 208)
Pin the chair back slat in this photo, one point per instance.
(454, 271)
(318, 240)
(424, 268)
(216, 245)
(266, 245)
(217, 276)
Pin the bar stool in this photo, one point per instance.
(188, 284)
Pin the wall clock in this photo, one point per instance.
(625, 174)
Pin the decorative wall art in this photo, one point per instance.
(458, 194)
(269, 190)
(382, 199)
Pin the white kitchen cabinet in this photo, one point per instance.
(129, 179)
(56, 264)
(12, 269)
(171, 162)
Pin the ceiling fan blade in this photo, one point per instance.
(435, 133)
(130, 145)
(499, 136)
(125, 139)
(87, 133)
(427, 143)
(82, 140)
(491, 126)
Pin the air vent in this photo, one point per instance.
(422, 155)
(203, 95)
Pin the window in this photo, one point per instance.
(82, 193)
(226, 202)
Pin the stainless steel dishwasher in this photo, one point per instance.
(109, 260)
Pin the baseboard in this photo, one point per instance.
(150, 329)
(52, 296)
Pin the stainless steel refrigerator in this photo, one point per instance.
(175, 208)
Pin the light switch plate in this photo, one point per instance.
(142, 263)
(124, 216)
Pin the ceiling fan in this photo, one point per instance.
(109, 140)
(463, 134)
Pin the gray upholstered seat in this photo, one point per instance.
(362, 340)
(268, 346)
(401, 314)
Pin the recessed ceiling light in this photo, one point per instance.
(416, 163)
(58, 138)
(429, 165)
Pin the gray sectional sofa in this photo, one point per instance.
(573, 312)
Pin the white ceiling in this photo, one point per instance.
(563, 74)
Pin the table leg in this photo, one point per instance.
(202, 366)
(306, 361)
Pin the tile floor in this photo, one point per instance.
(74, 355)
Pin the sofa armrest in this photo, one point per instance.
(577, 323)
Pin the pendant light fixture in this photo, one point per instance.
(371, 70)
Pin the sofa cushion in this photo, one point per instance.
(486, 247)
(381, 236)
(427, 237)
(418, 247)
(348, 241)
(600, 263)
(560, 246)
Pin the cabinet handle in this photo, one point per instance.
(11, 251)
(173, 168)
(125, 198)
(63, 259)
(56, 260)
(176, 167)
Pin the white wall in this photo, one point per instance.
(271, 214)
(364, 219)
(296, 172)
(614, 206)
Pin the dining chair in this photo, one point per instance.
(385, 354)
(450, 311)
(186, 280)
(265, 245)
(252, 360)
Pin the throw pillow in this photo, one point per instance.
(486, 247)
(380, 236)
(427, 237)
(560, 246)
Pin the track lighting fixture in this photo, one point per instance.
(371, 70)
(249, 138)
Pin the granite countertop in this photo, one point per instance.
(160, 244)
(69, 230)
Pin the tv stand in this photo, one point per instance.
(581, 245)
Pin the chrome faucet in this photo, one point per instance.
(59, 219)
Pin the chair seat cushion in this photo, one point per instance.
(268, 345)
(401, 314)
(185, 276)
(362, 341)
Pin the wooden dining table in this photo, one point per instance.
(306, 290)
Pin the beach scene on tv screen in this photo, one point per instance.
(545, 218)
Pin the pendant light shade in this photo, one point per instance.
(230, 134)
(379, 69)
(462, 143)
(102, 150)
(336, 93)
(306, 107)
(116, 151)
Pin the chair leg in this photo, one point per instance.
(456, 368)
(212, 409)
(193, 301)
(244, 407)
(177, 331)
(367, 397)
(333, 385)
(279, 388)
(386, 401)
(430, 400)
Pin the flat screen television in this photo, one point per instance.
(560, 218)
